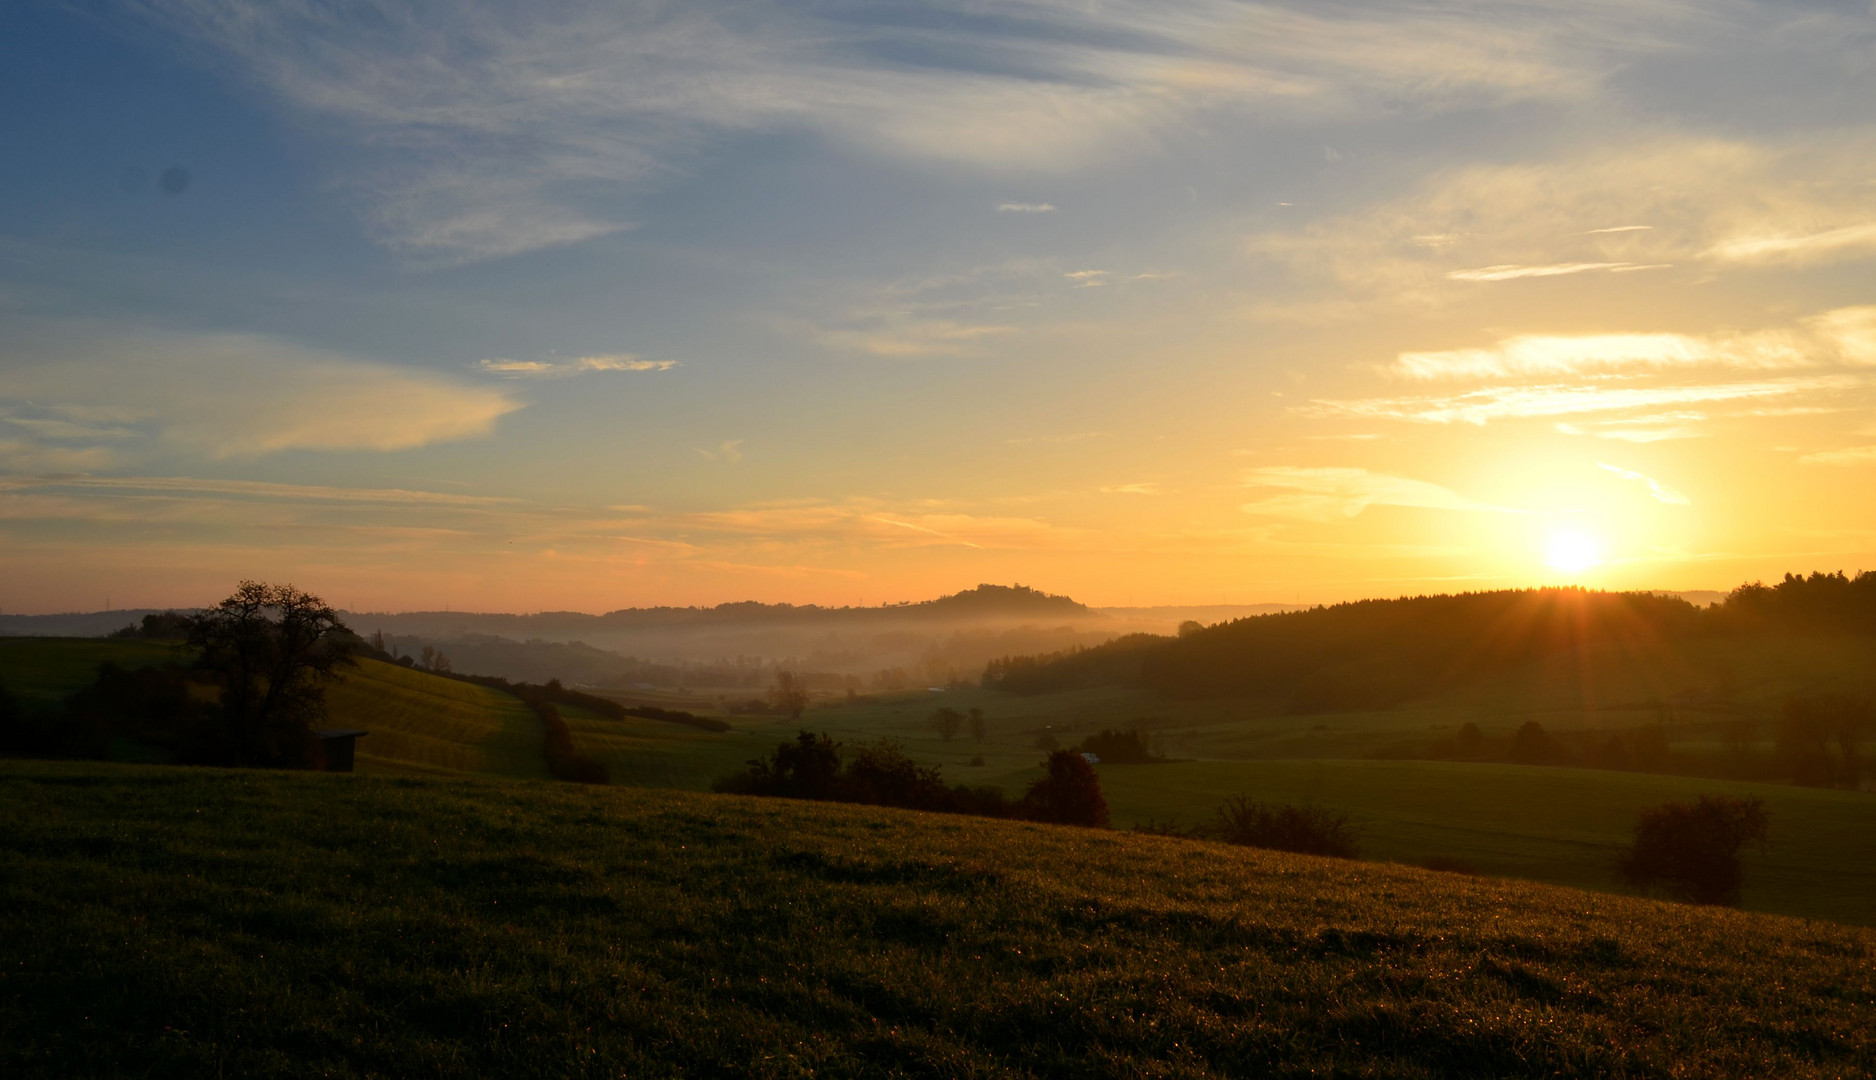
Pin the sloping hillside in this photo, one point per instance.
(419, 723)
(423, 723)
(171, 922)
(45, 669)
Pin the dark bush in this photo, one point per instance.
(1532, 745)
(42, 732)
(804, 769)
(1119, 747)
(1070, 793)
(150, 706)
(1309, 830)
(1691, 850)
(881, 775)
(563, 761)
(1818, 738)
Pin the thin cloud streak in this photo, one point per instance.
(478, 125)
(1479, 407)
(1660, 491)
(242, 395)
(1512, 272)
(1843, 337)
(560, 369)
(1332, 494)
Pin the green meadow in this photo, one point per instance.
(420, 723)
(1564, 826)
(1557, 825)
(45, 669)
(163, 921)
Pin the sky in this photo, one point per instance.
(558, 305)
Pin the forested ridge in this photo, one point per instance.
(1373, 653)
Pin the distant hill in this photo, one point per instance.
(73, 623)
(1376, 653)
(1003, 602)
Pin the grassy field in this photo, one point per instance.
(420, 723)
(1558, 825)
(174, 922)
(1694, 686)
(656, 753)
(47, 669)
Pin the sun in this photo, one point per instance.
(1573, 552)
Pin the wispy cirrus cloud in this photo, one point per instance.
(1646, 428)
(1829, 244)
(1845, 337)
(1025, 208)
(1661, 492)
(1479, 407)
(1512, 271)
(234, 395)
(1849, 455)
(585, 365)
(192, 486)
(486, 128)
(899, 336)
(1332, 494)
(1709, 203)
(868, 521)
(729, 452)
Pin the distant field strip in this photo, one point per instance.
(47, 669)
(1546, 824)
(424, 724)
(657, 753)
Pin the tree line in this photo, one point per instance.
(815, 767)
(1379, 653)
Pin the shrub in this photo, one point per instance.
(1310, 830)
(1119, 747)
(1070, 793)
(25, 730)
(881, 775)
(946, 722)
(1818, 738)
(563, 761)
(1691, 850)
(1531, 745)
(803, 769)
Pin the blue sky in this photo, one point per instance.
(588, 305)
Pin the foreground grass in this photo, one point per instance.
(180, 922)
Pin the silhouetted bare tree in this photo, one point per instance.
(270, 649)
(789, 694)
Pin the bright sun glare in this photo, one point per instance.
(1573, 552)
